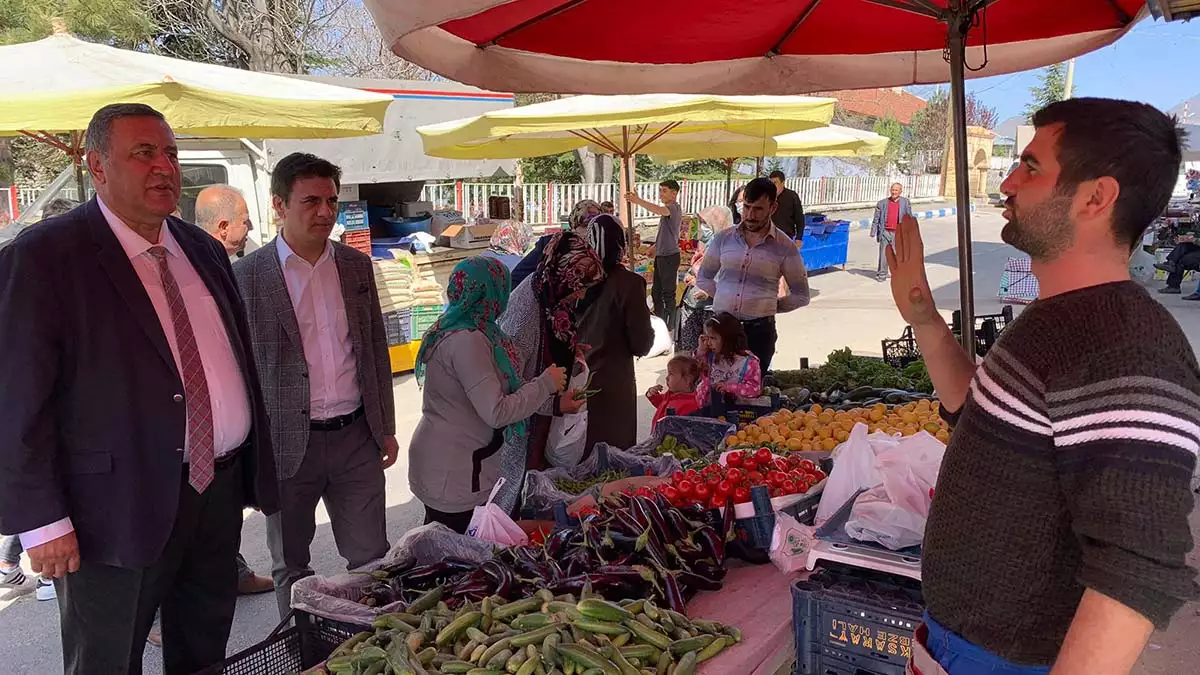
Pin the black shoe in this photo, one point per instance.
(1193, 296)
(1170, 290)
(1167, 267)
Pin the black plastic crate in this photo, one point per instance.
(736, 412)
(280, 653)
(852, 620)
(320, 636)
(902, 351)
(987, 327)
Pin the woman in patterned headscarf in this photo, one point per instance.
(473, 397)
(581, 214)
(616, 324)
(541, 318)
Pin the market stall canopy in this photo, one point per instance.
(55, 85)
(625, 125)
(830, 141)
(731, 47)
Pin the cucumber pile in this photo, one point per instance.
(541, 635)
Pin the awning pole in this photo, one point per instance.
(958, 23)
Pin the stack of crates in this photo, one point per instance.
(424, 316)
(353, 217)
(399, 326)
(854, 621)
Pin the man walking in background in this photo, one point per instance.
(134, 429)
(742, 267)
(327, 379)
(665, 249)
(888, 214)
(1088, 407)
(221, 211)
(789, 212)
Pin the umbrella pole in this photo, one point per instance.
(729, 179)
(958, 26)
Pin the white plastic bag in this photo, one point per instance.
(853, 469)
(490, 523)
(791, 543)
(893, 513)
(662, 338)
(568, 433)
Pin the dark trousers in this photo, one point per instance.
(344, 468)
(662, 291)
(106, 611)
(1185, 256)
(760, 338)
(455, 521)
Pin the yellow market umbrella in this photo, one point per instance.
(830, 141)
(55, 85)
(625, 126)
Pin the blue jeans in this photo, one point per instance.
(960, 657)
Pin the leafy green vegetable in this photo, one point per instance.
(846, 371)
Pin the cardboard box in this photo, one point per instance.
(469, 236)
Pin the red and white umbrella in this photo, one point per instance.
(761, 47)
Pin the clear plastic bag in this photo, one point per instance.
(853, 469)
(337, 597)
(541, 494)
(893, 513)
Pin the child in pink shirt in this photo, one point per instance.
(730, 367)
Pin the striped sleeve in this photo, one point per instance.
(1126, 435)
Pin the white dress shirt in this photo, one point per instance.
(316, 294)
(226, 386)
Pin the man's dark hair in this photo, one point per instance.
(300, 165)
(777, 174)
(759, 187)
(98, 137)
(670, 183)
(1132, 142)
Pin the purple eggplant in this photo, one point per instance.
(712, 544)
(673, 593)
(655, 516)
(698, 582)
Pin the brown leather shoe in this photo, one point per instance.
(155, 636)
(255, 584)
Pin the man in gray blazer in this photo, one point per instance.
(321, 349)
(888, 214)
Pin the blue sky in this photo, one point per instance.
(1156, 62)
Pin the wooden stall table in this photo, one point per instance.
(758, 600)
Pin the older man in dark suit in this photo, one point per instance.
(322, 353)
(134, 430)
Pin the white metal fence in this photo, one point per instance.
(28, 195)
(550, 202)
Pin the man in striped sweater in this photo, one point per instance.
(1057, 537)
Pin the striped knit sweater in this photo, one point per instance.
(1069, 467)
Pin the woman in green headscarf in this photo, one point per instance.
(474, 400)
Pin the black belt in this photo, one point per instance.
(335, 423)
(761, 321)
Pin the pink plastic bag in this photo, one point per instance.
(790, 544)
(490, 523)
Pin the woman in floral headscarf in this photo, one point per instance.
(581, 214)
(694, 308)
(541, 318)
(473, 397)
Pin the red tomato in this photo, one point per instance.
(807, 464)
(734, 459)
(735, 476)
(692, 475)
(686, 489)
(780, 465)
(677, 476)
(741, 495)
(791, 487)
(748, 458)
(671, 494)
(716, 502)
(763, 456)
(724, 489)
(710, 469)
(712, 479)
(754, 478)
(776, 477)
(702, 492)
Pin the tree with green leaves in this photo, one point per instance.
(894, 131)
(926, 141)
(1051, 87)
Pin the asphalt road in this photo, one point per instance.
(849, 309)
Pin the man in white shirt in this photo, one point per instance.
(135, 430)
(321, 345)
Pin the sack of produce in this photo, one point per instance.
(342, 597)
(545, 489)
(687, 438)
